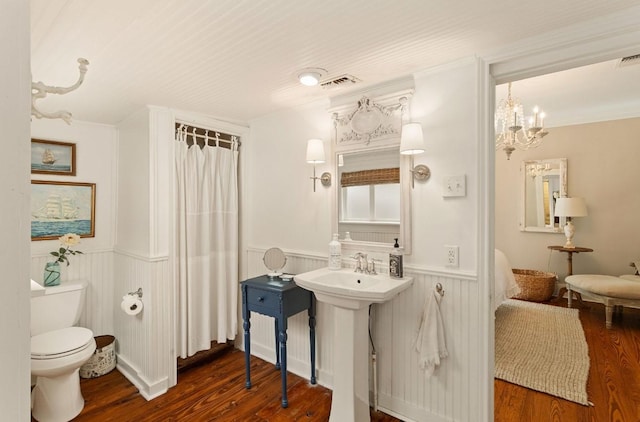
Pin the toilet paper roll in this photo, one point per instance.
(131, 304)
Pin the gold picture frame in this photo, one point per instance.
(53, 157)
(58, 208)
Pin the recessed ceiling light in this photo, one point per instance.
(310, 76)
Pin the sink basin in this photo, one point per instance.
(350, 293)
(348, 289)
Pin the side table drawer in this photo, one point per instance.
(262, 299)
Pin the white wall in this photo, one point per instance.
(133, 229)
(15, 103)
(444, 104)
(284, 211)
(96, 147)
(602, 168)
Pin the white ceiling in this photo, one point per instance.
(238, 59)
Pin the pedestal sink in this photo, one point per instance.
(351, 294)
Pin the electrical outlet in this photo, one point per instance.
(452, 256)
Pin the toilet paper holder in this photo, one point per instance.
(137, 292)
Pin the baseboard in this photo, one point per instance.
(407, 412)
(148, 390)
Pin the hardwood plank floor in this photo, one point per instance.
(212, 391)
(614, 377)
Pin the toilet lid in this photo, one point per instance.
(59, 343)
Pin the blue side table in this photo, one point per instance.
(278, 299)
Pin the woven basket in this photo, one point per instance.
(535, 286)
(103, 359)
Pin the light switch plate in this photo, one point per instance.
(454, 186)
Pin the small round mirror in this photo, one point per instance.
(274, 260)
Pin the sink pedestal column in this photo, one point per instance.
(350, 399)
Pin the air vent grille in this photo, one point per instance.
(339, 81)
(629, 60)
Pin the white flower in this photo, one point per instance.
(67, 241)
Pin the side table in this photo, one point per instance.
(279, 299)
(569, 252)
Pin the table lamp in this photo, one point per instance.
(570, 207)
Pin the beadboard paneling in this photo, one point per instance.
(145, 341)
(403, 389)
(97, 269)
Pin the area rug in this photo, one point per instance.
(542, 347)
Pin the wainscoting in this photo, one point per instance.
(97, 269)
(403, 389)
(146, 347)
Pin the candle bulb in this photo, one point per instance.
(535, 113)
(542, 119)
(515, 118)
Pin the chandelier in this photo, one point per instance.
(511, 131)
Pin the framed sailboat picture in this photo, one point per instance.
(52, 157)
(58, 208)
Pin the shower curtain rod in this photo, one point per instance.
(185, 129)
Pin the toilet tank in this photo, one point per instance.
(59, 307)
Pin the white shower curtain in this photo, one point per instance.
(206, 235)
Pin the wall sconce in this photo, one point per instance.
(315, 155)
(412, 143)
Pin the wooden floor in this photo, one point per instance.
(614, 377)
(212, 391)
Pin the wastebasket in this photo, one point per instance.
(103, 359)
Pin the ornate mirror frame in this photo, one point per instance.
(529, 170)
(373, 124)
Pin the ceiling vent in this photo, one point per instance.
(339, 81)
(629, 60)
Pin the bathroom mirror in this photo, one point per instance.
(372, 200)
(543, 181)
(369, 195)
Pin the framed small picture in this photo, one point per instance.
(58, 208)
(52, 157)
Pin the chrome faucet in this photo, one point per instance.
(361, 263)
(371, 266)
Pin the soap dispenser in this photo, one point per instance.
(395, 262)
(335, 253)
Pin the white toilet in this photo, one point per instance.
(58, 350)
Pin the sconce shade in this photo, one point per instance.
(571, 207)
(315, 151)
(411, 140)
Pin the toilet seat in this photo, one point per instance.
(60, 343)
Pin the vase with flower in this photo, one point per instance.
(52, 268)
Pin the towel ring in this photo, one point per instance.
(439, 289)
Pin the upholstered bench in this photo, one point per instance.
(612, 291)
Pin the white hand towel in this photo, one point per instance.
(430, 343)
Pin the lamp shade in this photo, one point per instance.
(570, 207)
(411, 140)
(315, 151)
